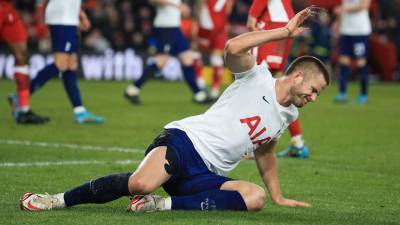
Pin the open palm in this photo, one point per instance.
(294, 25)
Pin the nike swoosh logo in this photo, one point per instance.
(265, 99)
(32, 207)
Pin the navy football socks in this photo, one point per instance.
(149, 69)
(210, 200)
(344, 76)
(101, 190)
(364, 79)
(190, 78)
(43, 76)
(71, 87)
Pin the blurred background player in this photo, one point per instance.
(266, 15)
(321, 37)
(63, 18)
(170, 42)
(212, 16)
(355, 28)
(13, 32)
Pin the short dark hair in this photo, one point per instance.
(305, 62)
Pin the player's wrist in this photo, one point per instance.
(289, 32)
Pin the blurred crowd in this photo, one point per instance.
(121, 24)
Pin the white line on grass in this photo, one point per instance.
(65, 163)
(70, 146)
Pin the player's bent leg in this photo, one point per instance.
(59, 65)
(20, 103)
(252, 194)
(153, 65)
(70, 81)
(151, 173)
(100, 190)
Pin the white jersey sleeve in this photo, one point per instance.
(63, 12)
(245, 116)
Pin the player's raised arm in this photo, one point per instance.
(237, 57)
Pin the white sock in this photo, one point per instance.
(297, 141)
(167, 203)
(200, 96)
(79, 109)
(24, 109)
(60, 203)
(132, 90)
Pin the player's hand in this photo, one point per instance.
(291, 203)
(84, 23)
(251, 23)
(294, 25)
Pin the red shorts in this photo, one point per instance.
(11, 27)
(212, 39)
(275, 53)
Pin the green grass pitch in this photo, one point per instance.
(352, 176)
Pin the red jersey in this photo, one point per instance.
(214, 13)
(266, 11)
(12, 30)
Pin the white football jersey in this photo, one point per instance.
(355, 23)
(63, 12)
(168, 15)
(245, 116)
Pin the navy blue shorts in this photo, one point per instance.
(64, 38)
(170, 41)
(354, 46)
(192, 175)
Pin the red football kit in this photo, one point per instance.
(11, 27)
(212, 24)
(272, 14)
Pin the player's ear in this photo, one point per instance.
(298, 77)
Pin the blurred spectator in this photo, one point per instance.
(321, 37)
(388, 24)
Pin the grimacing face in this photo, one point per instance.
(307, 90)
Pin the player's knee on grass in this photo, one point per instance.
(255, 199)
(252, 194)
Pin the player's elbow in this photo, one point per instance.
(232, 47)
